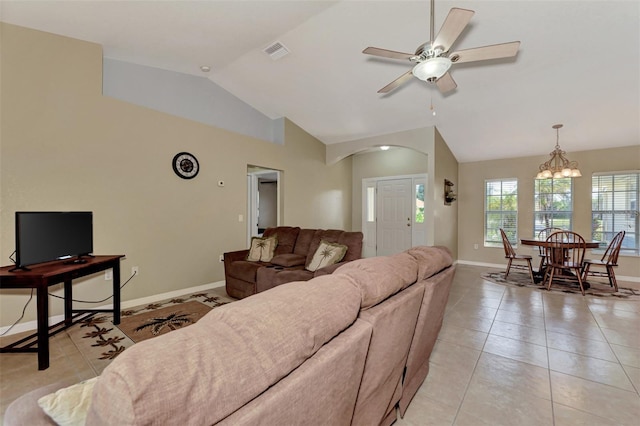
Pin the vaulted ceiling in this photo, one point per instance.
(578, 64)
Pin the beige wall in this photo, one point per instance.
(471, 200)
(445, 216)
(395, 162)
(315, 195)
(433, 157)
(66, 147)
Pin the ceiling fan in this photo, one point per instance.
(433, 58)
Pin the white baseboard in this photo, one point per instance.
(487, 265)
(33, 325)
(503, 266)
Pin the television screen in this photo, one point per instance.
(46, 236)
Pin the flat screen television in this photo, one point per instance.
(46, 236)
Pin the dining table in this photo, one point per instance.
(538, 276)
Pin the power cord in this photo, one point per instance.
(95, 301)
(24, 309)
(21, 316)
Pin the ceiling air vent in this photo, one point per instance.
(276, 50)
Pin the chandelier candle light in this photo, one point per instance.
(558, 166)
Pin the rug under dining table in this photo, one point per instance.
(596, 288)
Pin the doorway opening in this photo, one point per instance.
(263, 200)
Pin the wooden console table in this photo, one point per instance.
(43, 275)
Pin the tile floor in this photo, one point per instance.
(505, 356)
(518, 356)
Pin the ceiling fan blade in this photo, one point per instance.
(496, 51)
(446, 83)
(397, 82)
(456, 21)
(387, 53)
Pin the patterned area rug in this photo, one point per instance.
(144, 326)
(597, 289)
(99, 341)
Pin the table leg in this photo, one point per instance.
(42, 302)
(116, 292)
(68, 303)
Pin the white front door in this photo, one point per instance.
(394, 211)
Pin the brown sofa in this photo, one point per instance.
(350, 348)
(293, 253)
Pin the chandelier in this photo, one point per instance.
(558, 166)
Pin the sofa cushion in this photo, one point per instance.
(288, 260)
(304, 240)
(287, 236)
(273, 276)
(393, 323)
(329, 235)
(353, 241)
(262, 249)
(434, 302)
(69, 406)
(229, 357)
(322, 391)
(297, 273)
(399, 270)
(431, 260)
(326, 254)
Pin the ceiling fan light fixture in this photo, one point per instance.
(432, 69)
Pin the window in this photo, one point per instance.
(419, 202)
(614, 208)
(371, 204)
(553, 204)
(500, 211)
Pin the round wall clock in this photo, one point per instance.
(185, 165)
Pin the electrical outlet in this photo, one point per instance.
(221, 258)
(475, 246)
(108, 275)
(135, 270)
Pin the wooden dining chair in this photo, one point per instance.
(510, 253)
(542, 236)
(565, 254)
(608, 261)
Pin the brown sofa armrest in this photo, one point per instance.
(233, 256)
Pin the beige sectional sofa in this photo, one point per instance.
(351, 348)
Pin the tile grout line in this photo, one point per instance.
(473, 372)
(546, 344)
(614, 352)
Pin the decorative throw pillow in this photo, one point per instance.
(326, 254)
(69, 406)
(262, 249)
